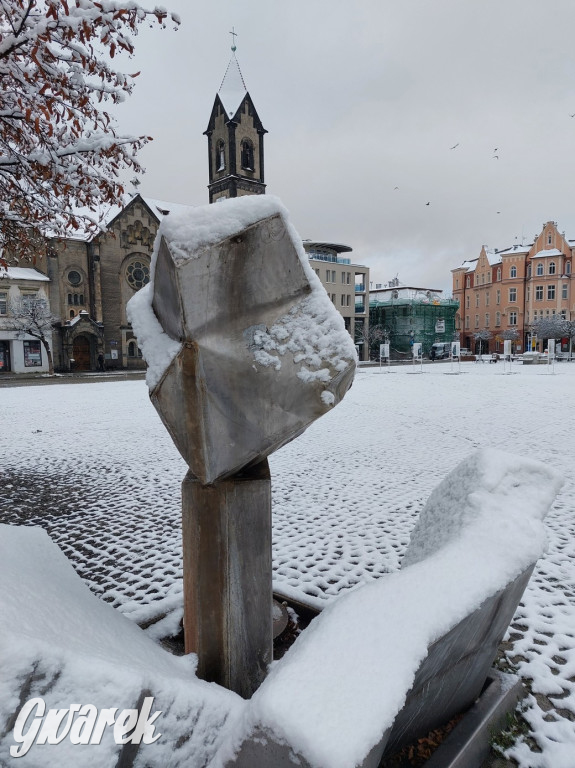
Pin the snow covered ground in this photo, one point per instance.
(93, 465)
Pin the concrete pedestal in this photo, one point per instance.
(226, 529)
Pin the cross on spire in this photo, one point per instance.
(234, 35)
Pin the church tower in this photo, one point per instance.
(235, 140)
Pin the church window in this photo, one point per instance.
(133, 349)
(72, 314)
(247, 155)
(220, 156)
(138, 274)
(74, 277)
(70, 299)
(81, 298)
(75, 298)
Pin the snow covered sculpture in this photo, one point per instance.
(384, 664)
(245, 350)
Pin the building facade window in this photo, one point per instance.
(538, 293)
(564, 294)
(498, 318)
(498, 297)
(513, 318)
(477, 321)
(550, 292)
(498, 273)
(3, 303)
(467, 302)
(513, 272)
(486, 298)
(487, 319)
(513, 295)
(32, 354)
(529, 270)
(74, 277)
(467, 322)
(220, 156)
(568, 268)
(539, 271)
(476, 299)
(468, 282)
(551, 267)
(549, 239)
(247, 155)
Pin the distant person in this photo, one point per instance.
(101, 362)
(432, 354)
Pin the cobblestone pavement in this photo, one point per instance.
(93, 465)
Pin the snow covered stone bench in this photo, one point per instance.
(387, 662)
(380, 665)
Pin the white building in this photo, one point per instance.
(20, 352)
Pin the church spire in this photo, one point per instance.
(235, 138)
(233, 88)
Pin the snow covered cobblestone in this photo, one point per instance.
(94, 466)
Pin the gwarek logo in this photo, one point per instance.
(81, 725)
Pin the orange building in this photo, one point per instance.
(511, 288)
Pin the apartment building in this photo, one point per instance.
(512, 288)
(347, 285)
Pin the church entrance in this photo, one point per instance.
(82, 357)
(4, 357)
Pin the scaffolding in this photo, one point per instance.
(404, 321)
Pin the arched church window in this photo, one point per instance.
(132, 349)
(70, 299)
(247, 155)
(75, 298)
(220, 156)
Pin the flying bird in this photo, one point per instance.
(496, 157)
(573, 115)
(427, 203)
(395, 188)
(454, 146)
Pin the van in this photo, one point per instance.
(441, 350)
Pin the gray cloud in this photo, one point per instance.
(360, 98)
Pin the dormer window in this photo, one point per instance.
(220, 156)
(247, 155)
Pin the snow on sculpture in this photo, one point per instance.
(259, 351)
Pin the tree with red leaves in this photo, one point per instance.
(60, 154)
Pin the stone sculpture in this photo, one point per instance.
(258, 352)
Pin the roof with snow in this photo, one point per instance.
(548, 252)
(233, 89)
(515, 249)
(159, 208)
(22, 273)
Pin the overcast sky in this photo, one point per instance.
(360, 98)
